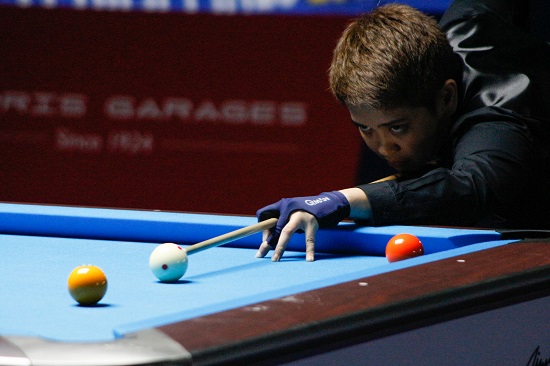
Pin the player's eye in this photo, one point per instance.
(398, 129)
(364, 129)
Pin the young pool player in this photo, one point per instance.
(459, 110)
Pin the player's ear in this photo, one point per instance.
(447, 100)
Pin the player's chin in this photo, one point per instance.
(404, 166)
(399, 165)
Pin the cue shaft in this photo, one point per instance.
(389, 177)
(232, 236)
(246, 231)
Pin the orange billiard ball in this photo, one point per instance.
(403, 246)
(87, 284)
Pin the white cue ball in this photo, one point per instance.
(168, 262)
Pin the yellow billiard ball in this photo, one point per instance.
(87, 284)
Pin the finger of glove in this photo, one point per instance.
(295, 223)
(273, 237)
(310, 232)
(266, 234)
(282, 242)
(269, 212)
(268, 243)
(263, 250)
(275, 233)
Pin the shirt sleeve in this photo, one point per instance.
(486, 185)
(498, 55)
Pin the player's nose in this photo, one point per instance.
(387, 147)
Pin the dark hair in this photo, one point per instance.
(394, 56)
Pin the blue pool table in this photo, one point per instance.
(233, 308)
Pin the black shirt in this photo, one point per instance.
(494, 170)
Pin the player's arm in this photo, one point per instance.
(359, 204)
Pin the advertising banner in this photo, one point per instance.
(296, 7)
(202, 112)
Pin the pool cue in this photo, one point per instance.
(232, 236)
(246, 231)
(389, 177)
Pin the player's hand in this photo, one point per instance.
(301, 214)
(299, 221)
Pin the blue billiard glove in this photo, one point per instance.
(329, 209)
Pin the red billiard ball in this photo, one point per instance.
(87, 284)
(403, 246)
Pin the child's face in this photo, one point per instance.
(407, 138)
